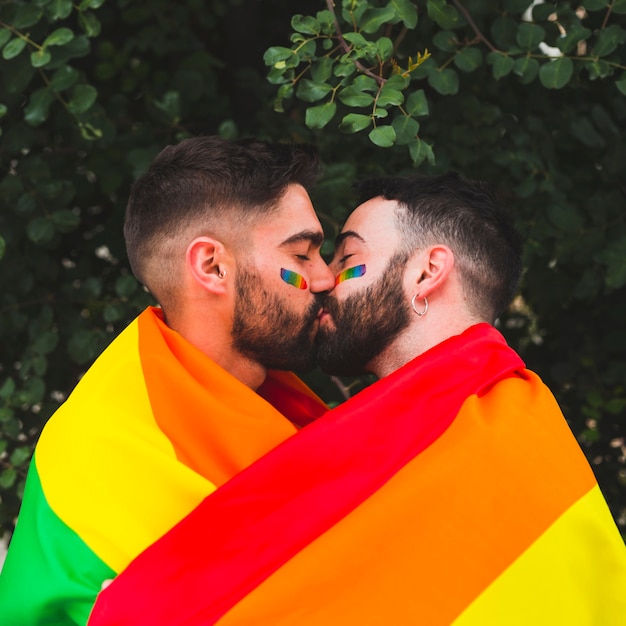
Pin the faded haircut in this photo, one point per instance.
(206, 186)
(470, 218)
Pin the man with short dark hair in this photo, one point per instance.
(224, 235)
(450, 491)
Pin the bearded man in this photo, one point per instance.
(224, 236)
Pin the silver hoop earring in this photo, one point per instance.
(420, 313)
(221, 273)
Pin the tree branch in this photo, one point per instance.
(344, 44)
(475, 28)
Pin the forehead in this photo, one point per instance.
(293, 216)
(374, 224)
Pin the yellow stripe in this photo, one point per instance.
(118, 489)
(574, 574)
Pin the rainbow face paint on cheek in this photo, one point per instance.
(352, 272)
(293, 278)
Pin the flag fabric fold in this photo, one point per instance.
(152, 428)
(450, 492)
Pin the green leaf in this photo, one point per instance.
(7, 477)
(40, 230)
(417, 104)
(36, 111)
(310, 91)
(84, 345)
(40, 58)
(276, 54)
(406, 11)
(7, 389)
(46, 342)
(3, 247)
(5, 35)
(82, 98)
(389, 97)
(406, 129)
(63, 78)
(516, 6)
(65, 220)
(504, 32)
(583, 129)
(90, 24)
(526, 68)
(358, 41)
(619, 7)
(113, 312)
(59, 9)
(574, 35)
(20, 455)
(565, 218)
(169, 104)
(529, 36)
(322, 70)
(613, 257)
(384, 46)
(305, 24)
(373, 19)
(608, 40)
(502, 64)
(445, 82)
(595, 5)
(445, 40)
(556, 74)
(318, 116)
(354, 122)
(27, 15)
(421, 151)
(598, 69)
(13, 48)
(58, 37)
(126, 286)
(468, 59)
(443, 14)
(352, 96)
(621, 83)
(383, 136)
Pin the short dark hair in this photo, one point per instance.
(208, 185)
(471, 218)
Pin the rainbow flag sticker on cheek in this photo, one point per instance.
(352, 272)
(293, 278)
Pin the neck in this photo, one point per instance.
(421, 335)
(217, 344)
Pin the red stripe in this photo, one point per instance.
(253, 524)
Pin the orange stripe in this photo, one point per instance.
(424, 546)
(235, 426)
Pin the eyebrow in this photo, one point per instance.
(341, 237)
(312, 236)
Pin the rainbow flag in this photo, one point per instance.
(152, 428)
(450, 492)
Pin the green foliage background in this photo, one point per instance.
(90, 91)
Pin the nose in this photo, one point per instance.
(322, 278)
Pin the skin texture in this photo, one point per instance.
(370, 236)
(233, 296)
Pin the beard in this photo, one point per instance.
(365, 323)
(267, 332)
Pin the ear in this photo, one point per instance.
(432, 269)
(206, 261)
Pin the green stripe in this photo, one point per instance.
(50, 576)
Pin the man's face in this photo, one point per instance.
(279, 287)
(368, 307)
